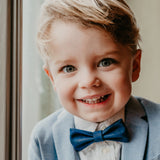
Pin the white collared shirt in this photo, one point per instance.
(106, 150)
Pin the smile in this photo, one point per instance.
(95, 100)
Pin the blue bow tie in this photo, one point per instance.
(80, 139)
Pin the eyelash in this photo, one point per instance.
(64, 69)
(108, 62)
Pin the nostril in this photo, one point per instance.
(89, 84)
(97, 83)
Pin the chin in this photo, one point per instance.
(96, 119)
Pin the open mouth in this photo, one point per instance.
(96, 100)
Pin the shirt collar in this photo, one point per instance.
(92, 126)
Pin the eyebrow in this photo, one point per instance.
(114, 52)
(59, 62)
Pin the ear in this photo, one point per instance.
(47, 71)
(136, 65)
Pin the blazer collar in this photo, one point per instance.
(138, 129)
(61, 134)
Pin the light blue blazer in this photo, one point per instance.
(50, 138)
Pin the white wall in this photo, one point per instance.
(147, 13)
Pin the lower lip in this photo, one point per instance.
(97, 104)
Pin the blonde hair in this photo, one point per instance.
(114, 16)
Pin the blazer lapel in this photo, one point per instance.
(153, 114)
(61, 134)
(138, 129)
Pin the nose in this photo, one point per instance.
(89, 80)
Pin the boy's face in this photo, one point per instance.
(91, 74)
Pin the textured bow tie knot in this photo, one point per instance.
(115, 132)
(97, 135)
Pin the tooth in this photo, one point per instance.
(94, 100)
(88, 100)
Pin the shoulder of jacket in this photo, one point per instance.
(148, 105)
(44, 127)
(152, 111)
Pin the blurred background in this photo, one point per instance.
(39, 100)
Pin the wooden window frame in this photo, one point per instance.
(10, 79)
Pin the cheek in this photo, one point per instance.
(121, 81)
(64, 90)
(121, 86)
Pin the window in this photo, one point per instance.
(39, 99)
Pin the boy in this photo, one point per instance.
(91, 57)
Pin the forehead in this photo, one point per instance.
(68, 38)
(61, 31)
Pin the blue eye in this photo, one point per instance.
(68, 69)
(106, 62)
